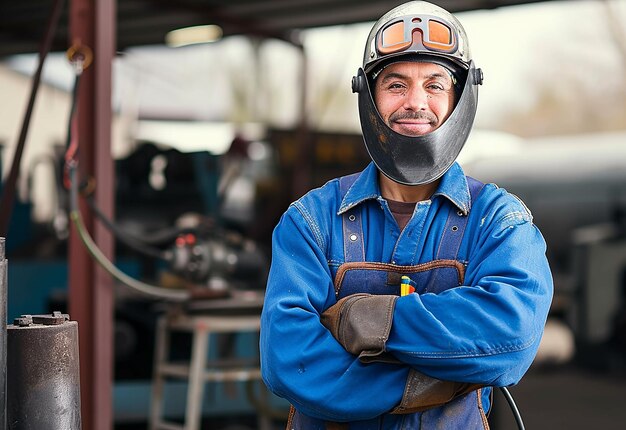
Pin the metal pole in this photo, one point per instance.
(91, 290)
(3, 335)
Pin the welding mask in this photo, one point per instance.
(417, 31)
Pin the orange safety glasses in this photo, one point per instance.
(400, 35)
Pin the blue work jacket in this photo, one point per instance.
(485, 331)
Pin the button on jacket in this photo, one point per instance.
(485, 331)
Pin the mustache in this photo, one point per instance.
(419, 115)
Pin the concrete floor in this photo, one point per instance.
(569, 398)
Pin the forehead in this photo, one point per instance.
(414, 69)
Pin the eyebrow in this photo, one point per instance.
(396, 75)
(439, 75)
(393, 75)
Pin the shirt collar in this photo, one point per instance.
(365, 187)
(453, 186)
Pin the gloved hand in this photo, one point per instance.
(422, 392)
(361, 323)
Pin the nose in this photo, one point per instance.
(416, 99)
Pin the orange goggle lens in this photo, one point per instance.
(429, 33)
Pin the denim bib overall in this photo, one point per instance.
(356, 275)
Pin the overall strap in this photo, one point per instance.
(345, 182)
(353, 247)
(475, 186)
(456, 223)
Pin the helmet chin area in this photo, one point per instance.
(417, 160)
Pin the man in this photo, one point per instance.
(340, 337)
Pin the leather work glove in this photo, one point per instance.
(361, 323)
(422, 392)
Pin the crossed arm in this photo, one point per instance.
(484, 333)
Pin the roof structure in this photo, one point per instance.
(146, 22)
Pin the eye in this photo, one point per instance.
(439, 86)
(396, 86)
(436, 86)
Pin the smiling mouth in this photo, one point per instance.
(414, 122)
(413, 127)
(413, 118)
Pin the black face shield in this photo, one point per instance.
(421, 159)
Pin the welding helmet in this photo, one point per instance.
(417, 31)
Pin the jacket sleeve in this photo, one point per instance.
(300, 359)
(488, 330)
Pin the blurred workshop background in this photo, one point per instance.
(197, 123)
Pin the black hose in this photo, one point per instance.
(167, 235)
(511, 402)
(72, 109)
(127, 238)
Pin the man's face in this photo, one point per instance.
(414, 98)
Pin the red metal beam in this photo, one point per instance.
(91, 290)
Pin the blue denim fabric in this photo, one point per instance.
(486, 331)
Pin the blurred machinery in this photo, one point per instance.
(574, 186)
(171, 237)
(599, 314)
(169, 210)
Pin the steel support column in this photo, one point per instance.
(302, 170)
(91, 292)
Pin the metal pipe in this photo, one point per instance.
(3, 335)
(43, 373)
